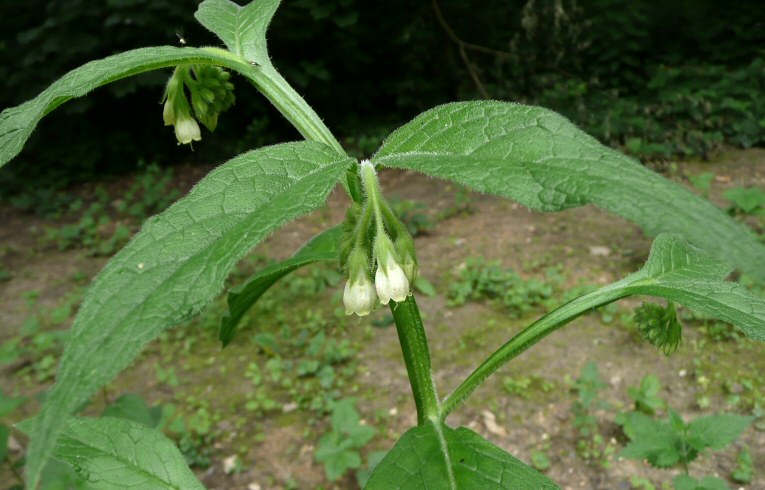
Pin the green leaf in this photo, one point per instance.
(437, 458)
(646, 397)
(112, 453)
(323, 246)
(337, 455)
(17, 123)
(539, 159)
(242, 29)
(425, 287)
(680, 272)
(716, 431)
(748, 200)
(130, 406)
(177, 264)
(744, 467)
(653, 440)
(685, 482)
(8, 403)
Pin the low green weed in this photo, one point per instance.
(481, 280)
(41, 337)
(524, 386)
(749, 201)
(104, 226)
(338, 449)
(702, 182)
(414, 216)
(673, 442)
(590, 444)
(646, 395)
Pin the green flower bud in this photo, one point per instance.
(405, 249)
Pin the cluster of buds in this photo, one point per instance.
(375, 243)
(211, 94)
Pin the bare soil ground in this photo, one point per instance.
(593, 246)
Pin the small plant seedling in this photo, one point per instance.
(744, 467)
(590, 445)
(338, 448)
(702, 182)
(670, 443)
(646, 396)
(180, 259)
(746, 200)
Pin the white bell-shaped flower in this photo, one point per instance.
(390, 281)
(187, 129)
(359, 296)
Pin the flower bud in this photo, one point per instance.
(390, 280)
(405, 250)
(168, 113)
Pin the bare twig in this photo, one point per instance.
(463, 47)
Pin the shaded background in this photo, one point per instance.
(659, 79)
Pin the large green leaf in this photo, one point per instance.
(539, 159)
(438, 458)
(17, 123)
(680, 272)
(114, 453)
(177, 264)
(242, 29)
(323, 246)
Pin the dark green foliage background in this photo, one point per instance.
(656, 78)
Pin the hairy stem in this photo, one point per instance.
(414, 347)
(281, 94)
(528, 337)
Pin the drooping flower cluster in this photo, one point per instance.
(211, 94)
(375, 241)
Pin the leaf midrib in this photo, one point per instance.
(126, 462)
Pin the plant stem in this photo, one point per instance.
(528, 337)
(414, 347)
(292, 106)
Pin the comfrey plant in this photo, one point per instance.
(179, 260)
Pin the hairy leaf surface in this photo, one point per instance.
(425, 458)
(17, 123)
(114, 453)
(242, 29)
(541, 160)
(323, 246)
(177, 263)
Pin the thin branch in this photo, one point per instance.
(473, 74)
(450, 32)
(463, 47)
